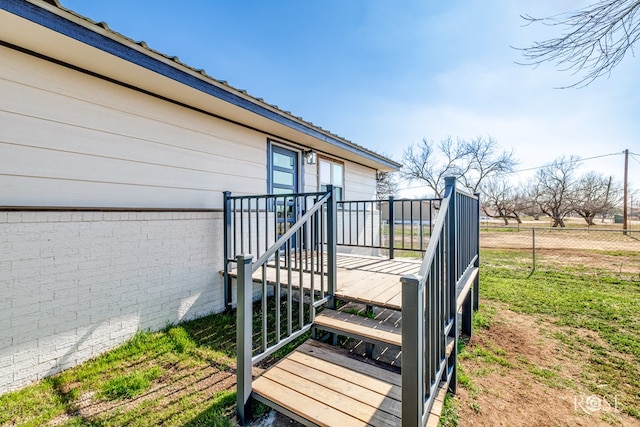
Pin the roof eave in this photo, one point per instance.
(51, 15)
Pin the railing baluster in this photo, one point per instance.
(227, 249)
(323, 230)
(300, 281)
(289, 290)
(265, 309)
(277, 296)
(392, 230)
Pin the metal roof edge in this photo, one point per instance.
(49, 14)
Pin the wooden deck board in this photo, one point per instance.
(360, 279)
(321, 383)
(369, 280)
(360, 326)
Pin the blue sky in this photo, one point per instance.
(386, 74)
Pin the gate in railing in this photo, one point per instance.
(429, 304)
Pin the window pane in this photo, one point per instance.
(277, 190)
(337, 175)
(325, 172)
(282, 178)
(336, 190)
(282, 160)
(338, 193)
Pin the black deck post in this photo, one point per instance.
(413, 387)
(227, 249)
(452, 275)
(476, 283)
(244, 338)
(392, 233)
(332, 218)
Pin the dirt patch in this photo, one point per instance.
(521, 376)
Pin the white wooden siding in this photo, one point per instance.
(310, 177)
(360, 182)
(69, 139)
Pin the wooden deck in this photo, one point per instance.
(325, 386)
(368, 280)
(319, 384)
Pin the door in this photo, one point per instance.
(283, 179)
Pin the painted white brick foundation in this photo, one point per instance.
(76, 284)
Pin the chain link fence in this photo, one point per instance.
(605, 250)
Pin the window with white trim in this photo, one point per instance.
(331, 173)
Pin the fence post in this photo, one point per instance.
(244, 337)
(452, 274)
(533, 243)
(227, 249)
(476, 283)
(392, 232)
(413, 388)
(332, 219)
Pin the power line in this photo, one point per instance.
(569, 161)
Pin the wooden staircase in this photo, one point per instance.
(325, 385)
(292, 290)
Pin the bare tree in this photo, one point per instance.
(594, 194)
(471, 161)
(386, 185)
(421, 163)
(594, 39)
(552, 187)
(526, 205)
(500, 200)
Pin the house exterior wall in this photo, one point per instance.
(75, 284)
(71, 139)
(360, 182)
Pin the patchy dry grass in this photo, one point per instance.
(553, 347)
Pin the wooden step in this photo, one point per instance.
(451, 342)
(433, 420)
(324, 385)
(465, 285)
(355, 326)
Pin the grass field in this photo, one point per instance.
(561, 331)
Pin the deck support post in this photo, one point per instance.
(332, 253)
(392, 231)
(476, 283)
(244, 337)
(227, 249)
(413, 386)
(332, 237)
(452, 276)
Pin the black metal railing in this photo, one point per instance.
(253, 224)
(430, 304)
(295, 275)
(391, 224)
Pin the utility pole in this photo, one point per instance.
(624, 207)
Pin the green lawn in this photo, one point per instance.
(167, 377)
(185, 375)
(605, 303)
